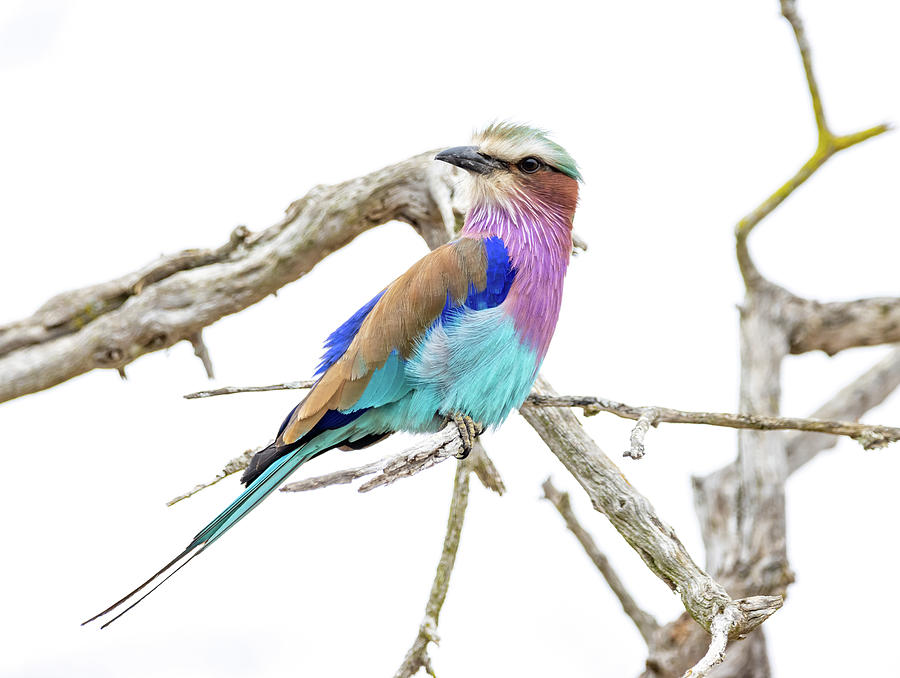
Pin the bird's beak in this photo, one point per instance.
(468, 158)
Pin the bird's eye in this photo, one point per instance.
(529, 165)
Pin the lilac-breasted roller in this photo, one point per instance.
(459, 337)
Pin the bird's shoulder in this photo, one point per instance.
(474, 272)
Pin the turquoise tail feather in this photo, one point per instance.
(249, 499)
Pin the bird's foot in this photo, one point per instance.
(469, 430)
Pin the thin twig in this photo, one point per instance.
(237, 464)
(789, 12)
(484, 469)
(417, 656)
(645, 622)
(342, 477)
(827, 145)
(227, 390)
(430, 451)
(733, 622)
(648, 418)
(865, 392)
(721, 626)
(870, 436)
(202, 352)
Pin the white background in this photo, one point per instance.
(128, 130)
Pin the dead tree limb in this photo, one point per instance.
(172, 299)
(851, 402)
(870, 436)
(634, 517)
(643, 620)
(741, 506)
(428, 452)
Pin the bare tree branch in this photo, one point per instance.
(427, 453)
(169, 301)
(719, 630)
(417, 656)
(237, 464)
(835, 326)
(484, 469)
(770, 320)
(870, 436)
(633, 515)
(828, 144)
(342, 477)
(229, 390)
(715, 494)
(643, 620)
(649, 417)
(851, 402)
(741, 506)
(68, 312)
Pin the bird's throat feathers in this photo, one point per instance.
(536, 228)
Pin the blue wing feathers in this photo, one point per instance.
(340, 339)
(499, 277)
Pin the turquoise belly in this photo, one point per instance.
(476, 365)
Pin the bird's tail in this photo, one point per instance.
(258, 490)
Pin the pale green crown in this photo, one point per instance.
(511, 142)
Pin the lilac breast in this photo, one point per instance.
(539, 241)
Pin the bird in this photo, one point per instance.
(458, 338)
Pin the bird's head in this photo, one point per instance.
(513, 163)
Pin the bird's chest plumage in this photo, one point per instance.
(477, 364)
(484, 362)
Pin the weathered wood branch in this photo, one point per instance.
(870, 436)
(171, 300)
(741, 506)
(231, 467)
(643, 620)
(634, 517)
(229, 390)
(851, 402)
(835, 326)
(428, 452)
(69, 312)
(716, 492)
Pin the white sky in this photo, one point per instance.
(128, 130)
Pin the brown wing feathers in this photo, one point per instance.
(408, 307)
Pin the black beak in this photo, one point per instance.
(468, 158)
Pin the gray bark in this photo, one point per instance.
(173, 299)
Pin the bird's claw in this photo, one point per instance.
(469, 430)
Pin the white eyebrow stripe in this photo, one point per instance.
(513, 150)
